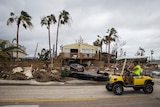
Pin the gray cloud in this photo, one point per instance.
(136, 21)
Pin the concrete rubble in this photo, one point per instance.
(28, 72)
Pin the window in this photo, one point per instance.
(67, 50)
(74, 50)
(87, 51)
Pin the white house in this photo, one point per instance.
(20, 55)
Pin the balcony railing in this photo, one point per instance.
(79, 55)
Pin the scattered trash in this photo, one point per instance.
(17, 69)
(28, 68)
(107, 69)
(55, 71)
(28, 74)
(43, 70)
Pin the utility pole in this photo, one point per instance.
(35, 51)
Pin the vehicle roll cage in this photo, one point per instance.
(129, 58)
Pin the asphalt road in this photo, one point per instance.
(71, 96)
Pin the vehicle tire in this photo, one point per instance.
(148, 88)
(136, 88)
(108, 87)
(118, 89)
(74, 75)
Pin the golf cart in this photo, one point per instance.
(117, 82)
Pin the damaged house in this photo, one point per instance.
(79, 52)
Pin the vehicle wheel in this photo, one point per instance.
(148, 88)
(118, 89)
(108, 87)
(75, 75)
(136, 88)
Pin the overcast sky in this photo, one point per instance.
(136, 21)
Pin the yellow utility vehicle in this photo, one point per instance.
(117, 82)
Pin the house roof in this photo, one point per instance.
(77, 44)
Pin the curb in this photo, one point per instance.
(71, 82)
(33, 82)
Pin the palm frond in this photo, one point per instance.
(64, 17)
(43, 21)
(2, 45)
(25, 14)
(10, 21)
(24, 25)
(11, 14)
(53, 18)
(26, 19)
(5, 52)
(29, 23)
(48, 20)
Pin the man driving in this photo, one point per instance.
(137, 69)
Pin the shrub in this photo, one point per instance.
(65, 72)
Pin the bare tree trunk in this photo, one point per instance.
(17, 58)
(50, 47)
(49, 40)
(106, 47)
(109, 52)
(57, 37)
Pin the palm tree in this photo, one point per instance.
(106, 39)
(110, 37)
(96, 43)
(99, 43)
(25, 19)
(43, 55)
(6, 51)
(64, 18)
(48, 20)
(141, 51)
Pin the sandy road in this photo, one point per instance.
(66, 93)
(71, 96)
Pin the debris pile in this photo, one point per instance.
(25, 73)
(43, 75)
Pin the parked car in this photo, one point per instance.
(155, 73)
(77, 67)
